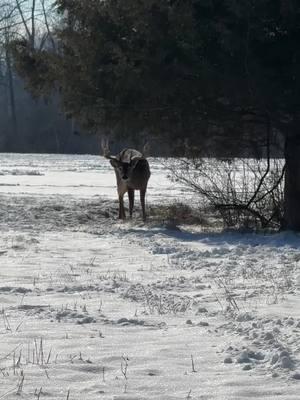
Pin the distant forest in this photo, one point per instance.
(35, 125)
(38, 126)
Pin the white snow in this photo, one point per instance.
(94, 308)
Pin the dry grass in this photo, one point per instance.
(177, 213)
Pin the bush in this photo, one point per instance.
(243, 192)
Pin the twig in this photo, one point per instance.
(193, 364)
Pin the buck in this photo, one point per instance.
(132, 173)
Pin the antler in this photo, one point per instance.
(137, 155)
(105, 148)
(146, 149)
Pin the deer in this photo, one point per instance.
(132, 173)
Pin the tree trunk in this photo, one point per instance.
(292, 183)
(13, 112)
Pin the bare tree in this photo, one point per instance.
(7, 21)
(28, 19)
(46, 16)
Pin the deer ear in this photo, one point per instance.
(134, 161)
(114, 163)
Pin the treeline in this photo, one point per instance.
(36, 126)
(215, 77)
(28, 123)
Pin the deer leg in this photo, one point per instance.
(131, 201)
(122, 189)
(121, 207)
(142, 197)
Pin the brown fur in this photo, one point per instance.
(132, 173)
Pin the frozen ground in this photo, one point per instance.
(92, 308)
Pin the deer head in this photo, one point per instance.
(124, 162)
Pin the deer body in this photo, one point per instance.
(132, 173)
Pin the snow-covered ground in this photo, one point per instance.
(94, 308)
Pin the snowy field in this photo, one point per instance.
(94, 308)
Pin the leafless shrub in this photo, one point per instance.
(243, 192)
